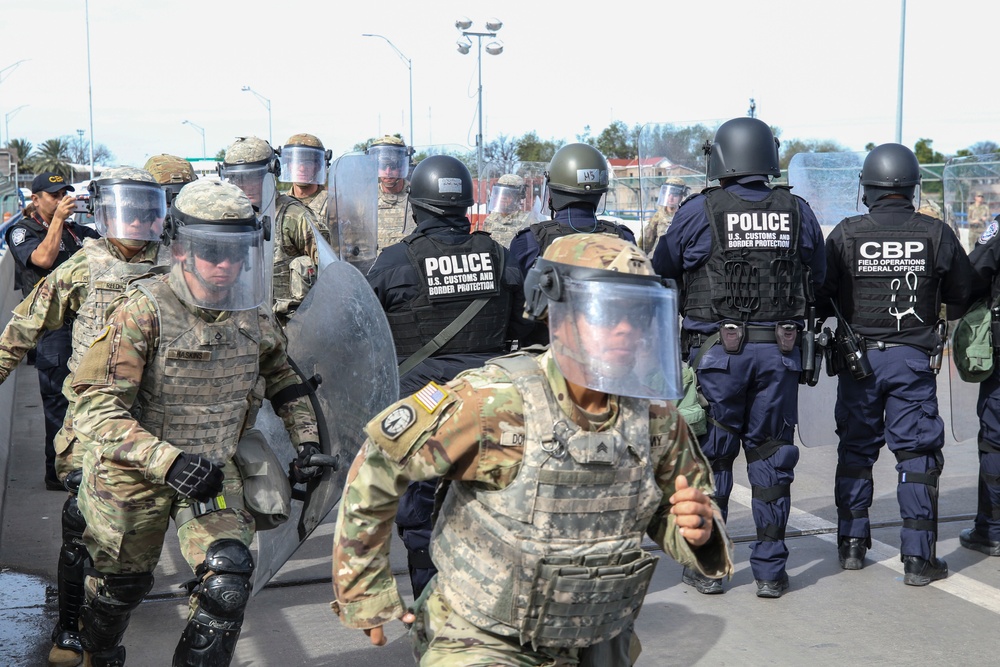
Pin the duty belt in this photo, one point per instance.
(755, 333)
(880, 345)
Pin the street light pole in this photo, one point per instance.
(267, 104)
(409, 66)
(6, 120)
(494, 49)
(3, 77)
(204, 155)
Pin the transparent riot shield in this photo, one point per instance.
(503, 225)
(829, 182)
(339, 340)
(269, 195)
(665, 150)
(964, 178)
(352, 212)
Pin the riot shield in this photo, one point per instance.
(502, 226)
(963, 178)
(269, 195)
(352, 211)
(340, 337)
(829, 182)
(665, 150)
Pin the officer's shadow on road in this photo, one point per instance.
(671, 634)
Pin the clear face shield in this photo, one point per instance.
(392, 162)
(303, 165)
(670, 196)
(506, 199)
(130, 210)
(247, 177)
(218, 270)
(617, 337)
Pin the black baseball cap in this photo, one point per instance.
(50, 181)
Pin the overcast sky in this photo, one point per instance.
(817, 70)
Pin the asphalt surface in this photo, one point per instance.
(828, 617)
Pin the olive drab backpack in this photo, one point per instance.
(972, 343)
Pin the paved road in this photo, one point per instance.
(829, 617)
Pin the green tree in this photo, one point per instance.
(53, 155)
(925, 153)
(793, 146)
(532, 149)
(79, 151)
(23, 148)
(617, 141)
(221, 155)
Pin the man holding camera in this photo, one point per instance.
(888, 273)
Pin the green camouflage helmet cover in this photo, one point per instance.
(388, 140)
(167, 169)
(126, 174)
(214, 203)
(512, 180)
(303, 139)
(249, 150)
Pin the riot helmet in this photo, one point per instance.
(742, 147)
(217, 243)
(507, 195)
(671, 193)
(440, 185)
(128, 205)
(613, 324)
(578, 173)
(171, 172)
(247, 163)
(889, 169)
(303, 160)
(392, 158)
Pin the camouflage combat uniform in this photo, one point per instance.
(503, 227)
(81, 288)
(165, 377)
(392, 219)
(656, 227)
(474, 431)
(295, 254)
(979, 217)
(317, 203)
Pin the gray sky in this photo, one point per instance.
(818, 70)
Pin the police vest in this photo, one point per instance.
(548, 231)
(109, 276)
(195, 394)
(27, 275)
(280, 278)
(554, 559)
(754, 271)
(892, 270)
(449, 278)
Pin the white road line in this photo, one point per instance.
(959, 585)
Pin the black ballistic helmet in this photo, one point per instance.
(890, 169)
(441, 184)
(742, 147)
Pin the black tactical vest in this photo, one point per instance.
(28, 275)
(548, 231)
(754, 272)
(450, 278)
(892, 267)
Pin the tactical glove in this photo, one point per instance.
(298, 470)
(195, 477)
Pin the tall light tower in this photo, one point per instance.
(4, 73)
(267, 104)
(409, 66)
(493, 48)
(6, 120)
(202, 130)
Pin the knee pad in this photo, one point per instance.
(73, 560)
(73, 481)
(106, 616)
(73, 523)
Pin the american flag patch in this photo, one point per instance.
(430, 397)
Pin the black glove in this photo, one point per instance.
(298, 471)
(195, 477)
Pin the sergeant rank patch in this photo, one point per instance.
(397, 421)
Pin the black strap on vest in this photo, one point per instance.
(291, 392)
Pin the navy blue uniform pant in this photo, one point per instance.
(753, 396)
(414, 521)
(51, 359)
(988, 509)
(895, 406)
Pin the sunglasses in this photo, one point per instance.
(609, 315)
(219, 254)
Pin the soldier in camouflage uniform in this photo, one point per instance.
(248, 163)
(978, 216)
(559, 464)
(129, 208)
(303, 164)
(171, 172)
(164, 394)
(506, 211)
(671, 194)
(393, 160)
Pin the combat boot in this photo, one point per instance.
(65, 651)
(701, 583)
(114, 657)
(970, 538)
(851, 552)
(772, 589)
(919, 571)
